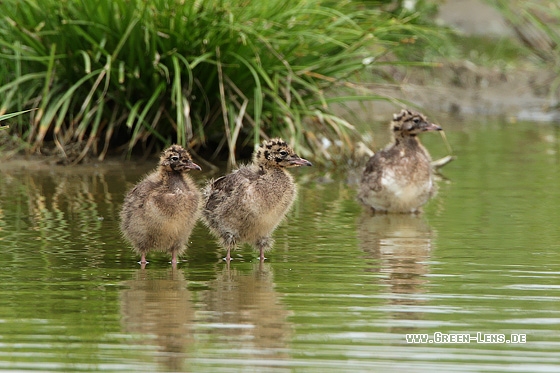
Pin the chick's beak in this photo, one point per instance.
(432, 127)
(297, 161)
(193, 166)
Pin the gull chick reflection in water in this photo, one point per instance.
(238, 311)
(401, 245)
(157, 306)
(243, 311)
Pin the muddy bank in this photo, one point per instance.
(465, 89)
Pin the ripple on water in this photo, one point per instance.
(340, 291)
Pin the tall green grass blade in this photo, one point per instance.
(47, 118)
(11, 115)
(141, 117)
(22, 79)
(195, 72)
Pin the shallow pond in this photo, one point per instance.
(340, 291)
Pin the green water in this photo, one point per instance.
(338, 293)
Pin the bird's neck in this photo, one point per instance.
(272, 171)
(172, 178)
(409, 141)
(269, 168)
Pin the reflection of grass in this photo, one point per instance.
(70, 211)
(59, 301)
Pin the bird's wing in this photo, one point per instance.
(373, 172)
(224, 186)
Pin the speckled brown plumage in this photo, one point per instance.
(246, 205)
(399, 178)
(159, 213)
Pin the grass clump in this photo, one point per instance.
(537, 25)
(209, 74)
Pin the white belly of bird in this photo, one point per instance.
(399, 195)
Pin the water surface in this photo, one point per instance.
(339, 292)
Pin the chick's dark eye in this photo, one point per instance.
(283, 153)
(175, 158)
(416, 120)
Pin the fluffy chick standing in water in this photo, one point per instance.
(160, 212)
(247, 205)
(399, 178)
